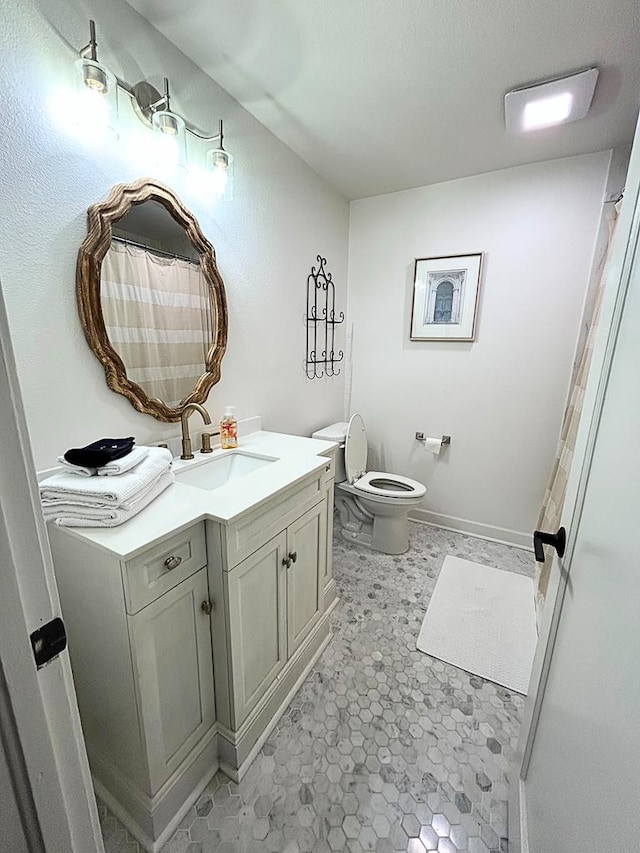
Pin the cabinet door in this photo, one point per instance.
(256, 593)
(171, 643)
(307, 552)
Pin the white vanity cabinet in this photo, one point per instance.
(140, 647)
(187, 646)
(268, 574)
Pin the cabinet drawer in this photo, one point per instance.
(245, 536)
(163, 566)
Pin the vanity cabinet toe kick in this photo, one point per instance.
(185, 656)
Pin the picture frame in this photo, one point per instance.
(446, 293)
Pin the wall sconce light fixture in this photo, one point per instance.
(98, 89)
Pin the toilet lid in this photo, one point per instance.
(355, 449)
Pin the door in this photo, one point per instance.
(256, 594)
(171, 642)
(306, 560)
(44, 768)
(580, 746)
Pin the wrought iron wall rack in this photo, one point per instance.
(321, 321)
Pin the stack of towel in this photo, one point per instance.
(114, 483)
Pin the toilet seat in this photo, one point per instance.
(389, 485)
(374, 484)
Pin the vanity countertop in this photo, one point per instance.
(181, 505)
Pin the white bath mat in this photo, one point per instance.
(483, 620)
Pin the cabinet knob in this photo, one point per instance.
(206, 607)
(286, 562)
(293, 556)
(172, 563)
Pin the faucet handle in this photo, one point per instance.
(206, 441)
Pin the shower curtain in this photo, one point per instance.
(551, 512)
(157, 313)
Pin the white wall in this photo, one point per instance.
(281, 217)
(500, 398)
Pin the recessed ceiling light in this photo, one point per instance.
(544, 112)
(557, 101)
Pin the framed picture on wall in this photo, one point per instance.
(445, 298)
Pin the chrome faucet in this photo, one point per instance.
(184, 420)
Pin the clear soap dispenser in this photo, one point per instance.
(228, 429)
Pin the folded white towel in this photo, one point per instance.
(125, 463)
(83, 502)
(82, 470)
(72, 515)
(110, 491)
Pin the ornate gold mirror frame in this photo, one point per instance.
(100, 219)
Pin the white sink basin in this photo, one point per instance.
(222, 470)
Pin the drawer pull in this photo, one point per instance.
(172, 563)
(206, 607)
(286, 562)
(293, 556)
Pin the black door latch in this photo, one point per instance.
(556, 540)
(47, 642)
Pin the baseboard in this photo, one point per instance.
(517, 816)
(122, 814)
(148, 818)
(330, 597)
(502, 535)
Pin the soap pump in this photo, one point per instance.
(228, 429)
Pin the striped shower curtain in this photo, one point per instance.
(157, 314)
(551, 512)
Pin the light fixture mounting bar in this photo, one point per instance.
(147, 99)
(90, 50)
(218, 136)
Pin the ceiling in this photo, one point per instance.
(384, 95)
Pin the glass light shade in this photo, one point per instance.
(170, 141)
(97, 99)
(220, 170)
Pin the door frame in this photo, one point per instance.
(39, 720)
(618, 275)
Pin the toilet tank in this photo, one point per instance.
(338, 433)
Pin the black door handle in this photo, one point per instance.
(556, 540)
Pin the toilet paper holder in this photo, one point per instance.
(420, 436)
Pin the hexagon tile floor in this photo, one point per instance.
(383, 748)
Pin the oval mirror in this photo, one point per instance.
(151, 299)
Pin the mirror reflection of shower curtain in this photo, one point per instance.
(551, 512)
(158, 317)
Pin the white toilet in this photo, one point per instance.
(373, 506)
